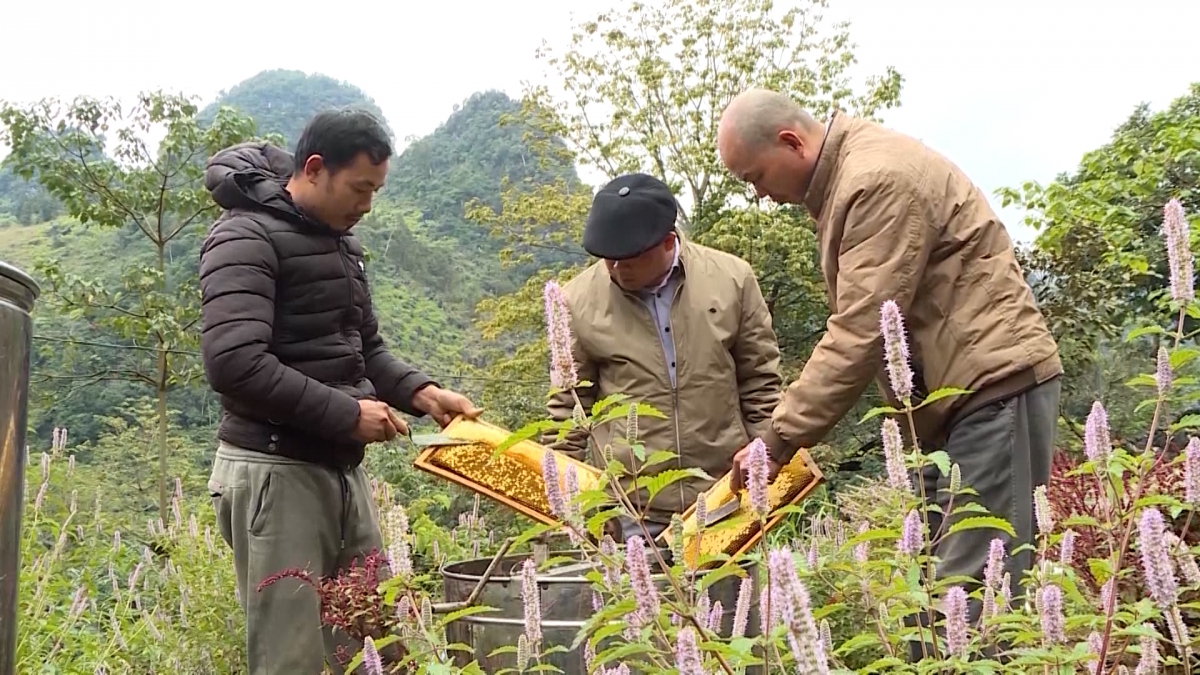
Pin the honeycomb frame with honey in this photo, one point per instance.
(514, 478)
(737, 534)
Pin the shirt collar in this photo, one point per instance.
(671, 272)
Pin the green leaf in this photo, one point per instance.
(982, 522)
(1100, 569)
(969, 507)
(658, 457)
(1156, 500)
(466, 611)
(664, 479)
(1144, 330)
(1182, 356)
(1078, 520)
(941, 459)
(621, 411)
(1190, 421)
(1144, 404)
(610, 400)
(523, 434)
(718, 574)
(939, 394)
(881, 410)
(595, 523)
(860, 641)
(913, 578)
(1142, 380)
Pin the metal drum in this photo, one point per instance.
(566, 606)
(17, 295)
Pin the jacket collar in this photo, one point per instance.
(827, 160)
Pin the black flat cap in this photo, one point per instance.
(628, 216)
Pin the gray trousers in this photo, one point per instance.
(1003, 451)
(276, 513)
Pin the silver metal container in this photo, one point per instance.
(17, 295)
(566, 606)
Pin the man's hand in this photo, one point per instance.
(444, 405)
(740, 470)
(377, 423)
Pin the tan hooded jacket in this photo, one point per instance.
(727, 368)
(896, 220)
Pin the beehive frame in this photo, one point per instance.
(720, 492)
(528, 452)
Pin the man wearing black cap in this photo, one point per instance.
(675, 325)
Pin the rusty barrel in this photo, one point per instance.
(18, 292)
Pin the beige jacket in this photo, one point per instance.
(727, 368)
(896, 220)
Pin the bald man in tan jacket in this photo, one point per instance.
(897, 221)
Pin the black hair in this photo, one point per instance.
(339, 135)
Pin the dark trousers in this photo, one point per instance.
(630, 527)
(1003, 451)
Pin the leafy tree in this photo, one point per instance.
(156, 195)
(1098, 263)
(1103, 222)
(642, 89)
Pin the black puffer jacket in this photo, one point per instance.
(290, 341)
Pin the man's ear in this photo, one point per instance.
(313, 167)
(791, 139)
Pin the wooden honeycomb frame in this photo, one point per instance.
(527, 452)
(750, 532)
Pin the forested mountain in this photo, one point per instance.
(281, 101)
(430, 265)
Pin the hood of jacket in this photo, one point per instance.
(254, 176)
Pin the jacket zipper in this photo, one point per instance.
(343, 253)
(675, 387)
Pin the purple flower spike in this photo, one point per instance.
(563, 373)
(1179, 252)
(756, 485)
(895, 350)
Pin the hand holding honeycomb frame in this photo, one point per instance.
(740, 531)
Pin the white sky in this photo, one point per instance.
(1011, 90)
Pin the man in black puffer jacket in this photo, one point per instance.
(292, 346)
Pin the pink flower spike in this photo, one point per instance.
(756, 484)
(563, 372)
(895, 350)
(371, 658)
(1176, 232)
